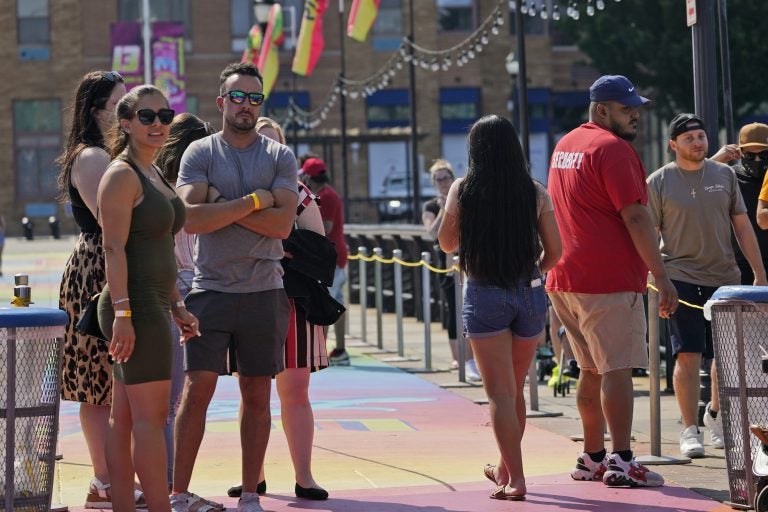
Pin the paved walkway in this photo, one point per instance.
(392, 440)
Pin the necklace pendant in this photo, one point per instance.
(693, 192)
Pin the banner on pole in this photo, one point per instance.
(167, 45)
(310, 44)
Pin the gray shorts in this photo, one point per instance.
(250, 326)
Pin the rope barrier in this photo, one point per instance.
(454, 268)
(389, 261)
(694, 306)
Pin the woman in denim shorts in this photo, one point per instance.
(502, 223)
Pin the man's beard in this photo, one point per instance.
(241, 124)
(618, 130)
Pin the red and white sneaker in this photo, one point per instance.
(630, 474)
(587, 469)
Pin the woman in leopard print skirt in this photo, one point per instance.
(86, 375)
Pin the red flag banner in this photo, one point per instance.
(310, 43)
(269, 62)
(361, 17)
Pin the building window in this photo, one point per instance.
(387, 30)
(159, 10)
(242, 18)
(455, 15)
(276, 106)
(388, 108)
(34, 35)
(37, 143)
(459, 108)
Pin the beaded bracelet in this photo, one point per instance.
(120, 301)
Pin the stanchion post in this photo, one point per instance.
(654, 395)
(458, 294)
(377, 252)
(426, 300)
(363, 252)
(398, 272)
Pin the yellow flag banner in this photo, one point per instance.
(269, 62)
(310, 43)
(361, 17)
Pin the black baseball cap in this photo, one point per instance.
(685, 123)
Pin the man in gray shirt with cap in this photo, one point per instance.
(694, 203)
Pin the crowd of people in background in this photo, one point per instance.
(194, 249)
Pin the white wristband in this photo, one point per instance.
(179, 304)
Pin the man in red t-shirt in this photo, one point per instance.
(597, 184)
(315, 175)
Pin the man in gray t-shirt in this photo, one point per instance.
(241, 193)
(695, 203)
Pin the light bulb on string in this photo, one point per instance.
(576, 14)
(471, 54)
(407, 57)
(500, 20)
(435, 66)
(447, 62)
(495, 30)
(424, 64)
(544, 14)
(398, 65)
(478, 47)
(556, 13)
(523, 7)
(484, 38)
(600, 4)
(353, 94)
(590, 8)
(569, 10)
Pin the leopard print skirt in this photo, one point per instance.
(86, 373)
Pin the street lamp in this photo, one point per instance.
(513, 70)
(261, 10)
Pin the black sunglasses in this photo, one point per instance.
(238, 97)
(147, 115)
(112, 76)
(752, 156)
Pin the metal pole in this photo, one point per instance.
(398, 254)
(343, 112)
(725, 71)
(654, 363)
(147, 36)
(522, 104)
(426, 302)
(377, 252)
(458, 294)
(416, 205)
(10, 419)
(704, 71)
(533, 388)
(363, 252)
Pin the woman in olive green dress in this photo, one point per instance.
(139, 213)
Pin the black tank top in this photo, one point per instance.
(83, 216)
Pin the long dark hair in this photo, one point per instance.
(92, 94)
(498, 238)
(126, 109)
(184, 130)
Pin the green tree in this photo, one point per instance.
(649, 42)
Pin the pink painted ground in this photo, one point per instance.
(387, 441)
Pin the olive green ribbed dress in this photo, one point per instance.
(151, 278)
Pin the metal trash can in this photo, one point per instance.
(31, 343)
(739, 317)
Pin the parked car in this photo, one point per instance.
(396, 193)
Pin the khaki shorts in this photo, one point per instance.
(606, 331)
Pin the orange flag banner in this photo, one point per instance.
(361, 17)
(310, 43)
(269, 62)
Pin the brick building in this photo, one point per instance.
(48, 45)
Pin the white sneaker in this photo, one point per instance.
(692, 442)
(471, 373)
(249, 502)
(715, 426)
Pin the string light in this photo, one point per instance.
(437, 60)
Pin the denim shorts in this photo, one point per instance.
(689, 330)
(490, 310)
